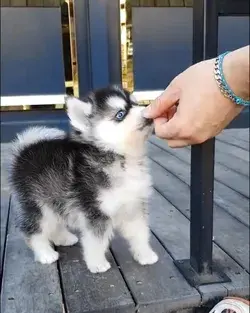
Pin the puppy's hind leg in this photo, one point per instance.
(36, 227)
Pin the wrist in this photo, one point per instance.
(236, 72)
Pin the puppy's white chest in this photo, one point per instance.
(130, 186)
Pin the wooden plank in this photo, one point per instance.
(176, 3)
(156, 288)
(239, 285)
(51, 3)
(232, 179)
(189, 3)
(162, 3)
(241, 134)
(5, 3)
(223, 174)
(18, 3)
(135, 3)
(230, 234)
(180, 153)
(146, 3)
(229, 161)
(234, 203)
(35, 3)
(231, 140)
(87, 292)
(28, 286)
(172, 229)
(44, 3)
(233, 150)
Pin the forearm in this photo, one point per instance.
(236, 71)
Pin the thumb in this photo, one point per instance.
(161, 105)
(167, 129)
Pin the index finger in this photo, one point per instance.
(160, 105)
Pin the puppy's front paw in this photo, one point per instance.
(100, 267)
(146, 258)
(47, 257)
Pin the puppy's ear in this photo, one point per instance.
(78, 112)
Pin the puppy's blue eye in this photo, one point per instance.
(120, 115)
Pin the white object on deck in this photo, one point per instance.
(232, 305)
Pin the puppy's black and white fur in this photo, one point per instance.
(94, 180)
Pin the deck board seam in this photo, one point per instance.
(236, 136)
(172, 257)
(231, 144)
(232, 257)
(167, 170)
(233, 216)
(167, 151)
(216, 179)
(5, 244)
(136, 304)
(65, 309)
(188, 148)
(169, 201)
(162, 244)
(214, 243)
(221, 151)
(188, 163)
(216, 203)
(240, 193)
(232, 169)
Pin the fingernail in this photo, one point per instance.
(146, 112)
(162, 120)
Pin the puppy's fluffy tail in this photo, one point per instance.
(33, 135)
(36, 134)
(25, 139)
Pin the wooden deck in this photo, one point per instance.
(29, 287)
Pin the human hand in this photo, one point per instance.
(192, 109)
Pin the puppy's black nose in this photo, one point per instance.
(147, 121)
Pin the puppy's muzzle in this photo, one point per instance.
(146, 122)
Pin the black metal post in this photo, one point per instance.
(201, 223)
(200, 269)
(202, 162)
(114, 41)
(98, 40)
(81, 12)
(97, 26)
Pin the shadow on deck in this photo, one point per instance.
(29, 287)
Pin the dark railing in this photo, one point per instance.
(200, 268)
(98, 43)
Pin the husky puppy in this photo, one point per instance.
(94, 179)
